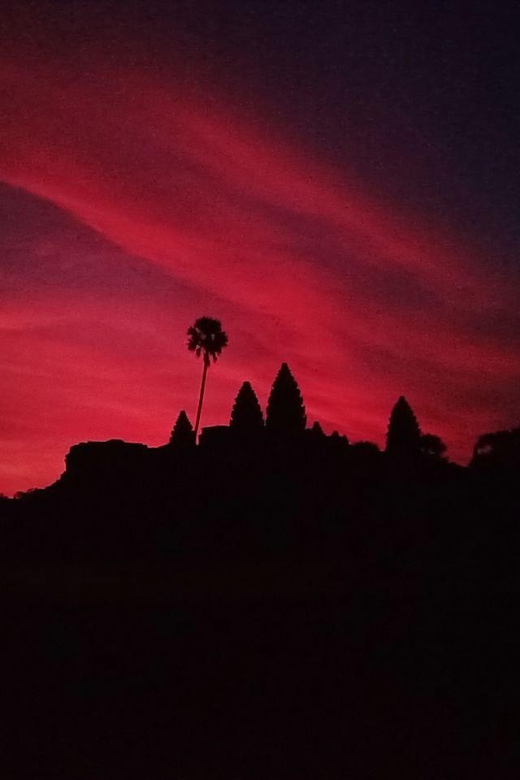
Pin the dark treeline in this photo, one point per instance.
(269, 602)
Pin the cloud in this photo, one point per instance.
(364, 301)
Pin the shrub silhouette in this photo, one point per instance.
(246, 415)
(500, 449)
(206, 338)
(432, 446)
(285, 409)
(183, 435)
(404, 436)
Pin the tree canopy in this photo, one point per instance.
(206, 337)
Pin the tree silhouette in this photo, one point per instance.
(500, 449)
(432, 445)
(182, 435)
(285, 409)
(246, 415)
(404, 435)
(206, 338)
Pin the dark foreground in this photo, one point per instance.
(261, 671)
(229, 615)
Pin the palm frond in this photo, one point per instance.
(206, 336)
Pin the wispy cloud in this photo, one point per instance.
(298, 260)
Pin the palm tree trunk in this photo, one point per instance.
(201, 395)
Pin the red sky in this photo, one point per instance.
(136, 200)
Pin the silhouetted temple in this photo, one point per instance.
(280, 441)
(266, 538)
(285, 425)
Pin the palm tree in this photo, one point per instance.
(206, 338)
